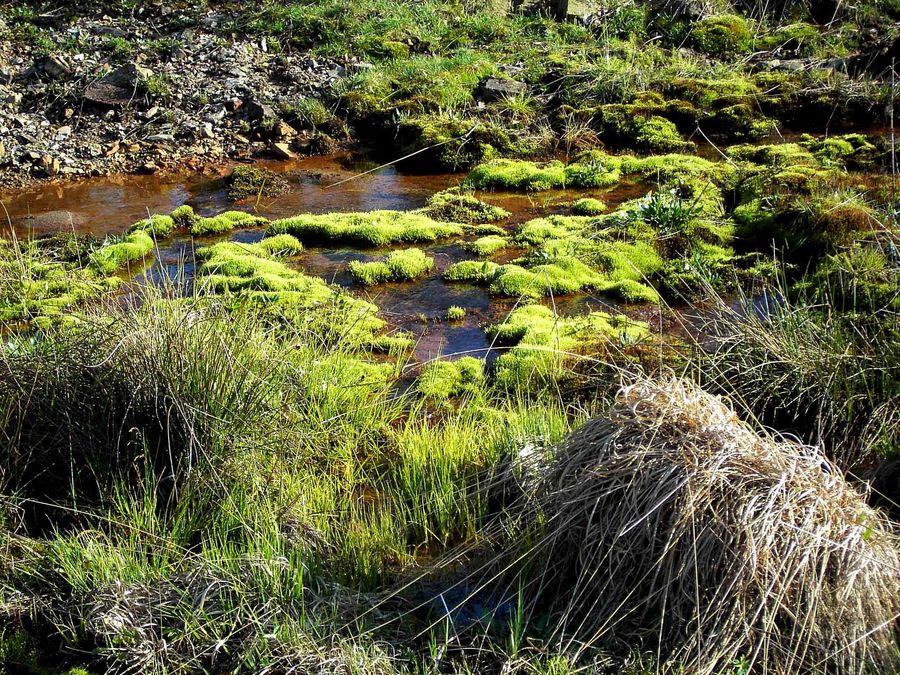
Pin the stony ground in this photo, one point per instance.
(111, 95)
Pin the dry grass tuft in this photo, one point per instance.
(672, 524)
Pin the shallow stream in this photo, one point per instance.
(105, 206)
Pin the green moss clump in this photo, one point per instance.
(722, 35)
(456, 313)
(624, 127)
(374, 228)
(591, 171)
(455, 206)
(488, 245)
(511, 174)
(443, 380)
(397, 266)
(121, 252)
(225, 222)
(44, 283)
(588, 206)
(540, 277)
(679, 167)
(253, 276)
(484, 230)
(253, 181)
(155, 226)
(544, 343)
(183, 216)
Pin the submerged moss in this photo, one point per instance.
(225, 222)
(543, 343)
(254, 181)
(455, 206)
(374, 228)
(402, 265)
(442, 380)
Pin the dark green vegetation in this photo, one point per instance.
(252, 472)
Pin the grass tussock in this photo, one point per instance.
(672, 524)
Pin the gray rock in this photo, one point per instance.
(495, 89)
(118, 88)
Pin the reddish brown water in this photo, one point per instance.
(107, 206)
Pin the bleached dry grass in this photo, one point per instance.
(673, 525)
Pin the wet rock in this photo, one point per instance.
(282, 151)
(495, 89)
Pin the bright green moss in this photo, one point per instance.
(722, 35)
(397, 266)
(674, 167)
(544, 343)
(854, 152)
(541, 230)
(535, 278)
(455, 206)
(472, 271)
(488, 245)
(484, 230)
(442, 380)
(155, 226)
(41, 287)
(512, 174)
(121, 252)
(456, 313)
(591, 171)
(225, 222)
(252, 275)
(375, 228)
(588, 206)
